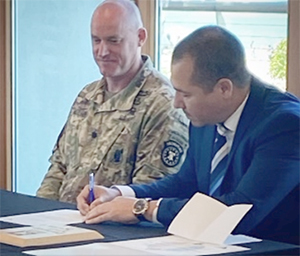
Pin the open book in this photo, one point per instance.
(206, 219)
(46, 235)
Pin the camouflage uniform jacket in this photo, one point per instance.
(136, 136)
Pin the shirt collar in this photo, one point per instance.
(232, 121)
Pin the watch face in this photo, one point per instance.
(140, 206)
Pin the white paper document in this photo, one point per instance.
(56, 217)
(240, 239)
(207, 220)
(174, 245)
(93, 249)
(167, 245)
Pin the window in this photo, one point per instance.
(52, 62)
(261, 26)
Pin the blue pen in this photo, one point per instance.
(91, 192)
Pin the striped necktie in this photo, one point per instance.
(219, 160)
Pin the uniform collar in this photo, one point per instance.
(124, 99)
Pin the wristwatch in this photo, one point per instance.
(140, 207)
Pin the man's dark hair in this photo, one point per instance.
(217, 54)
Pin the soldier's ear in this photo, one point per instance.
(142, 35)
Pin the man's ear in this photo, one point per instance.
(225, 87)
(142, 34)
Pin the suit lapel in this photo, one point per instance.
(204, 149)
(248, 116)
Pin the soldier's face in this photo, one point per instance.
(115, 45)
(201, 107)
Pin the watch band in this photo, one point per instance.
(141, 217)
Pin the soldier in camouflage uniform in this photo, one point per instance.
(124, 135)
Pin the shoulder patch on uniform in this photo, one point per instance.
(171, 153)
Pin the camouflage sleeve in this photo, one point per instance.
(52, 182)
(163, 143)
(53, 179)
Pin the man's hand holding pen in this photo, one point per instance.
(109, 205)
(101, 195)
(119, 210)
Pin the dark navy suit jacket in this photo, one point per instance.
(263, 168)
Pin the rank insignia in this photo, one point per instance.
(118, 155)
(171, 153)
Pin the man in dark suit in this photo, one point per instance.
(260, 157)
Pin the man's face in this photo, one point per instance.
(201, 107)
(115, 46)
